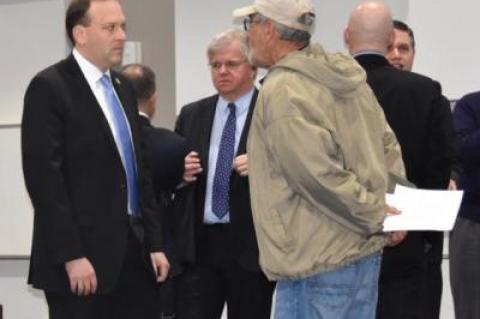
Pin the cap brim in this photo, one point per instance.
(244, 12)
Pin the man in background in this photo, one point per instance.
(94, 210)
(165, 150)
(164, 154)
(414, 109)
(465, 237)
(401, 54)
(402, 51)
(213, 225)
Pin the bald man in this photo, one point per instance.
(414, 109)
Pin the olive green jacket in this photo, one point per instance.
(320, 152)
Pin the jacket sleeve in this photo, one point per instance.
(153, 214)
(393, 157)
(43, 143)
(467, 129)
(440, 148)
(315, 170)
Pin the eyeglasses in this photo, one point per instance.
(247, 23)
(229, 65)
(252, 19)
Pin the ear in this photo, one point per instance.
(346, 36)
(79, 34)
(253, 72)
(152, 104)
(270, 29)
(391, 39)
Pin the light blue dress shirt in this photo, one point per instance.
(221, 114)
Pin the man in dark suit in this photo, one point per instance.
(213, 227)
(401, 54)
(165, 152)
(83, 169)
(413, 107)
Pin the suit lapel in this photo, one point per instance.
(242, 146)
(206, 122)
(85, 98)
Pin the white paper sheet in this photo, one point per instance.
(423, 209)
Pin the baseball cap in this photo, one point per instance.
(286, 12)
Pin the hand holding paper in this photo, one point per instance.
(422, 209)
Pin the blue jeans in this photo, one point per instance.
(349, 292)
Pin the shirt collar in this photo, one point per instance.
(242, 103)
(144, 115)
(89, 70)
(364, 52)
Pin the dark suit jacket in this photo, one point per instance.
(165, 153)
(75, 178)
(195, 124)
(415, 110)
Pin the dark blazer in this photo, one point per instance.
(467, 126)
(415, 110)
(75, 178)
(195, 124)
(165, 155)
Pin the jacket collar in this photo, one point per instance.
(371, 61)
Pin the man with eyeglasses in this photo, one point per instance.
(213, 225)
(320, 151)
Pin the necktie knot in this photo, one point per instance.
(106, 82)
(232, 107)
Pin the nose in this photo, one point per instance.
(121, 34)
(223, 68)
(396, 52)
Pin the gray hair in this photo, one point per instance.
(290, 34)
(226, 38)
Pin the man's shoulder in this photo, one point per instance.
(199, 104)
(411, 81)
(55, 72)
(167, 134)
(470, 100)
(418, 78)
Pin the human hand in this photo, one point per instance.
(396, 237)
(82, 277)
(160, 265)
(192, 167)
(240, 164)
(452, 185)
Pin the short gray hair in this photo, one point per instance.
(226, 38)
(290, 34)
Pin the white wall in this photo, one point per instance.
(31, 40)
(446, 33)
(448, 50)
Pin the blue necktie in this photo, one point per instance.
(223, 170)
(124, 143)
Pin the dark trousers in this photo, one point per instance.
(464, 268)
(134, 296)
(401, 280)
(217, 278)
(433, 283)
